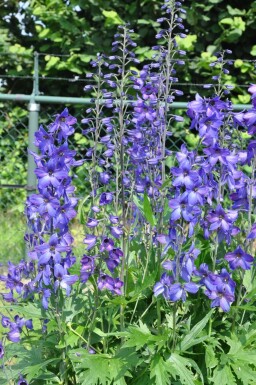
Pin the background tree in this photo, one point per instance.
(80, 29)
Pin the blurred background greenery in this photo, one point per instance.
(80, 29)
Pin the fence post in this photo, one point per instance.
(33, 109)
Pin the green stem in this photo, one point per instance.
(80, 336)
(174, 326)
(238, 300)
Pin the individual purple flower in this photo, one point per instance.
(106, 198)
(45, 202)
(114, 219)
(114, 259)
(44, 140)
(91, 222)
(51, 249)
(222, 155)
(112, 284)
(14, 334)
(179, 291)
(203, 272)
(64, 215)
(90, 240)
(63, 280)
(63, 124)
(107, 244)
(225, 281)
(221, 297)
(5, 321)
(50, 175)
(181, 208)
(116, 231)
(239, 258)
(184, 176)
(221, 219)
(163, 286)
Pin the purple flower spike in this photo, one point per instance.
(239, 258)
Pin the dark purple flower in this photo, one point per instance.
(106, 198)
(22, 381)
(88, 263)
(64, 215)
(221, 219)
(203, 272)
(112, 284)
(107, 244)
(44, 141)
(239, 258)
(63, 280)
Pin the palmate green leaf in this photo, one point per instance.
(95, 369)
(244, 373)
(31, 363)
(160, 370)
(27, 310)
(138, 336)
(191, 338)
(223, 375)
(180, 367)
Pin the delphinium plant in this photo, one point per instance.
(164, 293)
